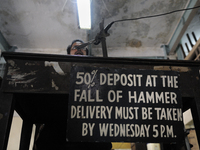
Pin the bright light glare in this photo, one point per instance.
(84, 14)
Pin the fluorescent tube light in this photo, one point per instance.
(84, 14)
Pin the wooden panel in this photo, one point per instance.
(6, 113)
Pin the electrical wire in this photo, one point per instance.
(152, 16)
(96, 41)
(64, 5)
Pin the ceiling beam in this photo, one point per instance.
(4, 46)
(182, 26)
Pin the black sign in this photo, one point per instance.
(114, 105)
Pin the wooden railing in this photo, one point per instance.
(194, 54)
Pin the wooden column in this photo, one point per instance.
(25, 135)
(195, 109)
(6, 115)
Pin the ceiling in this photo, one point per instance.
(50, 24)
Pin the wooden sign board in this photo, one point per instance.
(129, 105)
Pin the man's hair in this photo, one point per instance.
(74, 41)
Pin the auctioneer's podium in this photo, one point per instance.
(100, 99)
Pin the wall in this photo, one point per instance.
(14, 138)
(193, 27)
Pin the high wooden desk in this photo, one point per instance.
(38, 91)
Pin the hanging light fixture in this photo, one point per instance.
(84, 14)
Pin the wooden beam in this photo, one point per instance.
(4, 45)
(192, 54)
(26, 135)
(182, 26)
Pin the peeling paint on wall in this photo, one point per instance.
(135, 9)
(161, 37)
(142, 29)
(37, 75)
(134, 43)
(109, 7)
(50, 24)
(54, 85)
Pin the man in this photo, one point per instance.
(72, 49)
(52, 136)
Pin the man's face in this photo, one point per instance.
(75, 51)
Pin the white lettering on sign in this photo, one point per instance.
(126, 112)
(124, 130)
(87, 128)
(146, 113)
(125, 103)
(174, 114)
(170, 81)
(114, 96)
(152, 97)
(164, 131)
(86, 96)
(113, 79)
(91, 112)
(151, 80)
